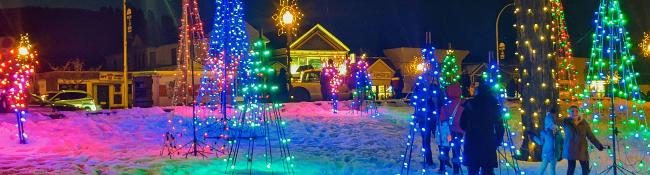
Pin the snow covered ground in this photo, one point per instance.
(130, 141)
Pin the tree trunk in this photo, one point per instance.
(538, 64)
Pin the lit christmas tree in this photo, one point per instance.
(508, 148)
(535, 52)
(450, 71)
(611, 74)
(192, 48)
(566, 71)
(424, 91)
(256, 119)
(331, 74)
(16, 71)
(363, 97)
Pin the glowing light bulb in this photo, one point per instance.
(23, 51)
(287, 18)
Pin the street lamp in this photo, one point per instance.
(125, 83)
(497, 28)
(287, 19)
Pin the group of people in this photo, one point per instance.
(476, 126)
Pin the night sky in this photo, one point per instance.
(369, 26)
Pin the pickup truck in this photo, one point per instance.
(307, 88)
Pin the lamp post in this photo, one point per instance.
(287, 19)
(497, 28)
(125, 76)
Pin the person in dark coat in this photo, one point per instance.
(577, 131)
(484, 131)
(397, 82)
(325, 78)
(282, 81)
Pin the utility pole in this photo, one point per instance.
(125, 76)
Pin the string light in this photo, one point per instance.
(363, 96)
(192, 47)
(563, 53)
(538, 59)
(450, 70)
(611, 70)
(494, 79)
(424, 90)
(16, 69)
(331, 73)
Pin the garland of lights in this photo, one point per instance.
(423, 91)
(611, 71)
(563, 52)
(538, 65)
(494, 79)
(450, 70)
(16, 69)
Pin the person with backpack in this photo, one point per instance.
(449, 133)
(551, 141)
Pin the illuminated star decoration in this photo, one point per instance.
(287, 18)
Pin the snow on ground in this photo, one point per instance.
(130, 141)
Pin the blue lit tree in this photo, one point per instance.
(424, 100)
(243, 77)
(363, 97)
(508, 150)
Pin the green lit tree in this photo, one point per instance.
(450, 71)
(610, 74)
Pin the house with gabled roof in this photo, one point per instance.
(313, 48)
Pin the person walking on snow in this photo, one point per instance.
(449, 134)
(481, 121)
(551, 140)
(577, 131)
